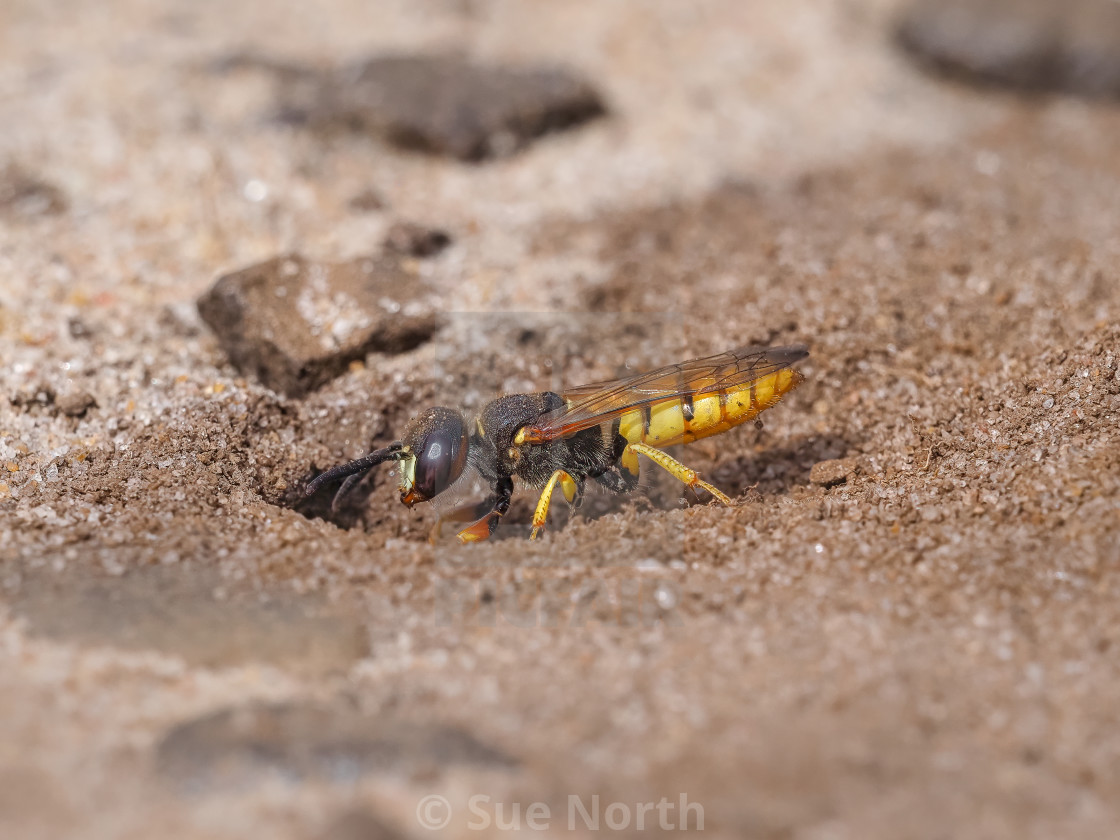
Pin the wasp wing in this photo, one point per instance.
(590, 405)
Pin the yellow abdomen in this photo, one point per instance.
(685, 419)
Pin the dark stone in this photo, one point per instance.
(296, 324)
(1072, 46)
(23, 195)
(443, 104)
(336, 742)
(79, 329)
(416, 240)
(831, 473)
(76, 404)
(33, 397)
(368, 200)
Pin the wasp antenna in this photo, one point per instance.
(350, 482)
(389, 453)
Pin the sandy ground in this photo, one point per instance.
(927, 650)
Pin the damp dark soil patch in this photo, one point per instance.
(187, 610)
(334, 741)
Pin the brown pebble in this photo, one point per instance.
(366, 201)
(79, 329)
(295, 324)
(35, 396)
(415, 240)
(443, 104)
(831, 473)
(75, 404)
(23, 194)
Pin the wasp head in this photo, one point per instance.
(435, 447)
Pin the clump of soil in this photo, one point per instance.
(442, 104)
(1028, 44)
(295, 324)
(24, 195)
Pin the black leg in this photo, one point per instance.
(577, 502)
(617, 480)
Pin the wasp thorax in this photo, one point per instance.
(437, 443)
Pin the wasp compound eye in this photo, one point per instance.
(438, 442)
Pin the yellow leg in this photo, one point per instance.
(672, 465)
(567, 485)
(629, 461)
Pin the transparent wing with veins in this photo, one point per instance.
(590, 405)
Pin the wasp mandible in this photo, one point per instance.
(591, 432)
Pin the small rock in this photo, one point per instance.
(443, 104)
(296, 324)
(32, 397)
(25, 195)
(366, 201)
(75, 404)
(831, 473)
(415, 240)
(1072, 46)
(333, 742)
(79, 329)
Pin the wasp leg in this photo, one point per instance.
(575, 501)
(570, 488)
(464, 513)
(484, 527)
(617, 480)
(621, 476)
(676, 468)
